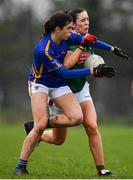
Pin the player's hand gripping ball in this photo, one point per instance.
(100, 68)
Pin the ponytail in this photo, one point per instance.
(59, 19)
(46, 29)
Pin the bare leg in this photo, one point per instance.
(58, 135)
(71, 108)
(39, 109)
(94, 137)
(55, 136)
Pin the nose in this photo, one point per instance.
(87, 22)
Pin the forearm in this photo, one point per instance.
(103, 45)
(91, 40)
(114, 49)
(71, 58)
(70, 74)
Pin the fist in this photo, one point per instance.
(104, 70)
(89, 39)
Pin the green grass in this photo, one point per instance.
(73, 159)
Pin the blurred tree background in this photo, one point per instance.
(20, 28)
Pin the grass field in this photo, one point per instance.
(72, 160)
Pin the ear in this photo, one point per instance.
(57, 29)
(74, 25)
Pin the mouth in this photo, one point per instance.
(87, 28)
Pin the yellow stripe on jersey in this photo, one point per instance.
(59, 65)
(46, 50)
(35, 69)
(37, 73)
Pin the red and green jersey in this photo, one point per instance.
(76, 85)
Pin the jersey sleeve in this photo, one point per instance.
(50, 62)
(103, 45)
(54, 64)
(71, 74)
(75, 38)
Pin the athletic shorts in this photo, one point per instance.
(52, 92)
(82, 96)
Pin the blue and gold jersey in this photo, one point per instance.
(48, 56)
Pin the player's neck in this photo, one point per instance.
(55, 38)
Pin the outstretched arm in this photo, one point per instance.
(103, 45)
(91, 41)
(100, 71)
(114, 49)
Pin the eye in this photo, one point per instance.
(83, 20)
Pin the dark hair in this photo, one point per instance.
(74, 13)
(59, 18)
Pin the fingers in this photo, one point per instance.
(104, 70)
(121, 53)
(109, 71)
(124, 54)
(111, 74)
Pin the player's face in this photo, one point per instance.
(82, 23)
(66, 31)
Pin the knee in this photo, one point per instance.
(59, 141)
(91, 129)
(39, 128)
(76, 119)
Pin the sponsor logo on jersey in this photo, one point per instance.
(83, 57)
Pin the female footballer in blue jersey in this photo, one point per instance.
(47, 77)
(80, 88)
